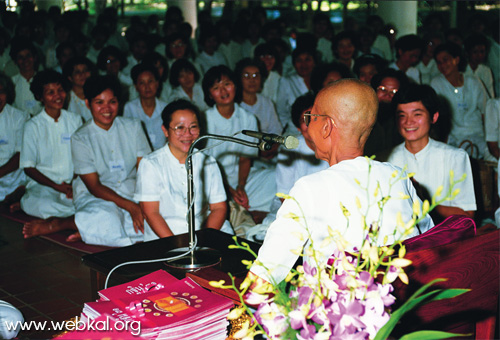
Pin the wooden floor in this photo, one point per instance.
(46, 282)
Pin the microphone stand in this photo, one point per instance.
(202, 257)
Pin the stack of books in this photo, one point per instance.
(159, 306)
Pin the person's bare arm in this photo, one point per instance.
(239, 194)
(494, 150)
(11, 165)
(151, 211)
(448, 211)
(35, 174)
(99, 190)
(218, 212)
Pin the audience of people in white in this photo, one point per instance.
(95, 127)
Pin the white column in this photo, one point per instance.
(402, 14)
(189, 10)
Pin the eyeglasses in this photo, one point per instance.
(177, 45)
(251, 75)
(308, 115)
(266, 56)
(111, 60)
(181, 129)
(387, 91)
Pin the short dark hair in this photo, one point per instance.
(176, 105)
(214, 75)
(304, 50)
(369, 59)
(390, 73)
(140, 68)
(345, 35)
(155, 57)
(114, 51)
(301, 104)
(455, 51)
(417, 93)
(8, 87)
(474, 40)
(70, 65)
(46, 77)
(320, 73)
(62, 46)
(97, 84)
(238, 71)
(182, 65)
(18, 45)
(408, 42)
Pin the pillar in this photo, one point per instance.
(402, 14)
(189, 10)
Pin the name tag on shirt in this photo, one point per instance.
(118, 165)
(65, 138)
(4, 140)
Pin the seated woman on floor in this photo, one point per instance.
(416, 109)
(12, 179)
(46, 158)
(251, 187)
(106, 153)
(147, 108)
(161, 180)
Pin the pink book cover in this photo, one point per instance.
(180, 303)
(103, 327)
(154, 281)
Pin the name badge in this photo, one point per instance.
(4, 140)
(117, 165)
(65, 138)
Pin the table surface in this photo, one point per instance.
(230, 262)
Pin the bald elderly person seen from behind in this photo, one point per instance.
(340, 123)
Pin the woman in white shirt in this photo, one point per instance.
(465, 97)
(161, 180)
(184, 79)
(78, 70)
(147, 108)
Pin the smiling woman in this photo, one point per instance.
(161, 180)
(106, 152)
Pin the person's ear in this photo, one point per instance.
(87, 104)
(165, 130)
(435, 117)
(327, 127)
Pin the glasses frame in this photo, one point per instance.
(308, 114)
(386, 90)
(181, 130)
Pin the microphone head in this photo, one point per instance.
(291, 142)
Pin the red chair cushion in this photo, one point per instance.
(454, 228)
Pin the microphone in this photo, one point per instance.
(289, 142)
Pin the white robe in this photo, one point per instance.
(271, 86)
(260, 186)
(289, 90)
(319, 198)
(432, 166)
(492, 120)
(47, 147)
(78, 105)
(427, 72)
(467, 105)
(206, 61)
(11, 139)
(198, 96)
(264, 110)
(412, 72)
(161, 178)
(25, 100)
(133, 109)
(113, 156)
(483, 73)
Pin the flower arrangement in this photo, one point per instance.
(349, 296)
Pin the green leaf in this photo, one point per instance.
(416, 299)
(430, 335)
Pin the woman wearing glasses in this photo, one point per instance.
(106, 152)
(162, 184)
(251, 187)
